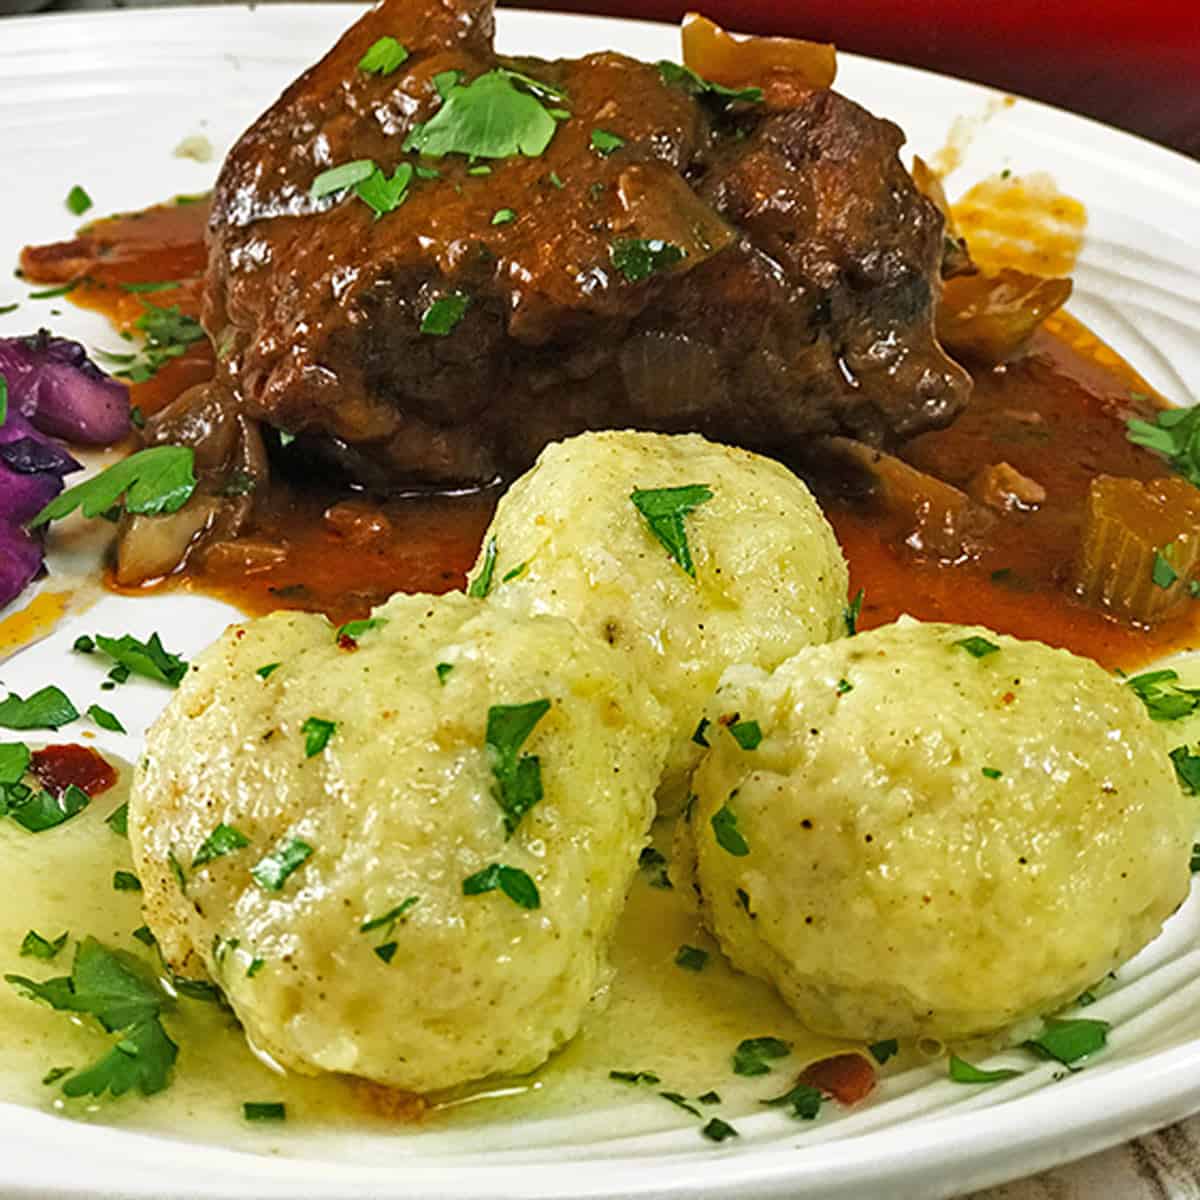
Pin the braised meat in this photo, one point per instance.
(756, 267)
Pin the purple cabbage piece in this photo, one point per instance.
(53, 389)
(53, 383)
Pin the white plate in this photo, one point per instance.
(103, 100)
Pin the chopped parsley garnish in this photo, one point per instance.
(385, 56)
(1194, 863)
(40, 811)
(715, 93)
(700, 734)
(169, 332)
(709, 1098)
(5, 309)
(804, 1101)
(481, 169)
(1162, 574)
(340, 178)
(639, 258)
(664, 510)
(852, 612)
(161, 285)
(604, 143)
(177, 870)
(1187, 769)
(1164, 699)
(126, 881)
(634, 1076)
(844, 686)
(655, 865)
(78, 201)
(444, 314)
(84, 645)
(680, 1101)
(383, 195)
(443, 671)
(317, 732)
(518, 776)
(556, 180)
(118, 820)
(1069, 1041)
(512, 881)
(33, 945)
(105, 719)
(14, 762)
(691, 958)
(482, 583)
(990, 772)
(256, 965)
(149, 659)
(267, 670)
(718, 1131)
(752, 1055)
(264, 1110)
(443, 81)
(108, 986)
(387, 922)
(515, 573)
(493, 116)
(53, 293)
(962, 1071)
(747, 734)
(882, 1051)
(55, 1074)
(47, 708)
(1175, 434)
(387, 951)
(724, 825)
(272, 872)
(157, 480)
(225, 839)
(976, 646)
(503, 216)
(355, 629)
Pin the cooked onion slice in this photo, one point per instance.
(765, 62)
(1140, 546)
(989, 318)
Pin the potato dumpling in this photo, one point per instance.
(941, 832)
(402, 854)
(756, 572)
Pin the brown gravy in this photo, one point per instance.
(1056, 414)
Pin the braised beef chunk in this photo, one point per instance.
(673, 260)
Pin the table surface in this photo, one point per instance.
(1136, 66)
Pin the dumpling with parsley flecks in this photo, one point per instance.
(684, 555)
(933, 830)
(401, 851)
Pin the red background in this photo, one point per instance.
(1129, 63)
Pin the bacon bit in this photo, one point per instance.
(346, 642)
(389, 1103)
(1008, 697)
(848, 1078)
(59, 767)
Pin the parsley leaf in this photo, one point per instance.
(1162, 574)
(225, 839)
(387, 922)
(804, 1101)
(158, 480)
(169, 332)
(752, 1055)
(604, 143)
(265, 1110)
(444, 313)
(1069, 1041)
(718, 1131)
(482, 583)
(717, 94)
(1175, 434)
(383, 195)
(47, 708)
(1187, 768)
(1164, 699)
(384, 57)
(977, 647)
(882, 1051)
(118, 820)
(339, 178)
(852, 612)
(680, 1101)
(108, 986)
(518, 779)
(33, 945)
(747, 734)
(126, 881)
(512, 881)
(724, 825)
(990, 772)
(699, 736)
(40, 811)
(105, 719)
(491, 117)
(317, 733)
(664, 510)
(962, 1071)
(691, 958)
(634, 1077)
(503, 216)
(267, 670)
(272, 872)
(443, 671)
(78, 201)
(639, 258)
(149, 659)
(355, 629)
